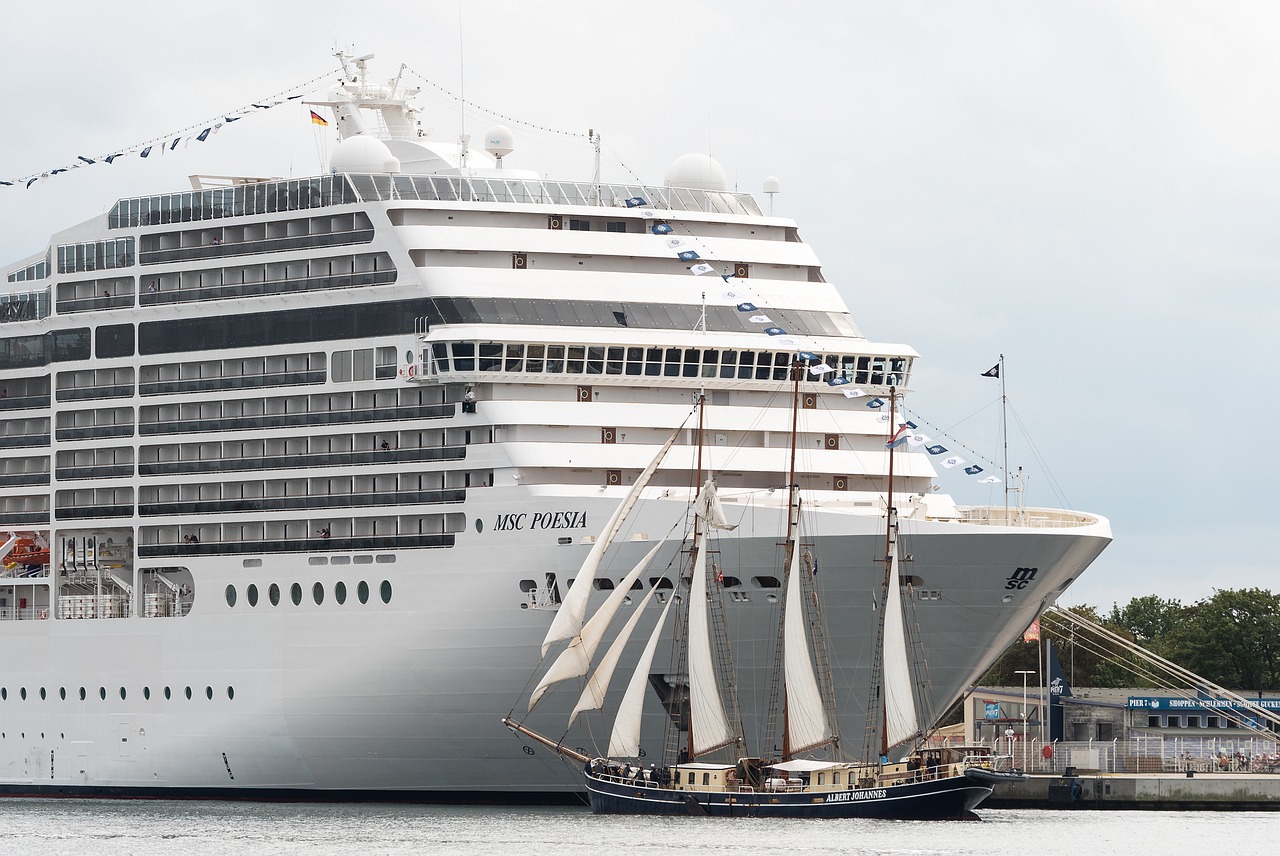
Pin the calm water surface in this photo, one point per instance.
(107, 828)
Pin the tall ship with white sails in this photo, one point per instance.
(296, 474)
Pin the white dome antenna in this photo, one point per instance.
(772, 187)
(499, 142)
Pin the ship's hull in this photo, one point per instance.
(952, 798)
(402, 699)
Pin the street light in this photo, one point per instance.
(1024, 673)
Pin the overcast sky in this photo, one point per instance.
(1089, 188)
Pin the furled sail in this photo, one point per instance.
(624, 742)
(900, 720)
(807, 723)
(593, 693)
(575, 661)
(709, 721)
(568, 620)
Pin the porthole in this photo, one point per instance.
(340, 592)
(122, 694)
(231, 692)
(208, 693)
(23, 692)
(273, 594)
(4, 693)
(362, 591)
(188, 693)
(231, 595)
(62, 693)
(385, 591)
(102, 693)
(479, 525)
(252, 594)
(295, 594)
(167, 693)
(42, 694)
(83, 694)
(146, 693)
(317, 593)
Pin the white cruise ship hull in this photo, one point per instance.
(403, 699)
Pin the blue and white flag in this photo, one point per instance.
(840, 381)
(953, 461)
(676, 243)
(852, 393)
(936, 449)
(807, 356)
(775, 331)
(917, 440)
(820, 369)
(989, 480)
(760, 319)
(700, 268)
(746, 307)
(973, 470)
(875, 403)
(649, 214)
(689, 256)
(636, 202)
(662, 229)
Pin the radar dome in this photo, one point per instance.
(499, 141)
(697, 171)
(363, 153)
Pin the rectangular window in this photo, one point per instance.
(340, 366)
(579, 225)
(616, 226)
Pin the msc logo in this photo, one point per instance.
(1020, 578)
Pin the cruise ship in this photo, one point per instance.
(295, 474)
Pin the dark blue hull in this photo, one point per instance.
(941, 799)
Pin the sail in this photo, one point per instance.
(807, 724)
(568, 620)
(711, 510)
(593, 693)
(900, 720)
(708, 719)
(624, 742)
(575, 660)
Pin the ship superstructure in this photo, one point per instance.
(293, 473)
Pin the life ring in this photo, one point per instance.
(412, 371)
(44, 613)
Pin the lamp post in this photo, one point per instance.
(1024, 673)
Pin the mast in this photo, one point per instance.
(1004, 438)
(890, 549)
(792, 510)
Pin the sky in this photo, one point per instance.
(1088, 189)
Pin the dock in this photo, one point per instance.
(1150, 791)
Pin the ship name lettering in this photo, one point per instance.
(850, 796)
(559, 520)
(513, 522)
(509, 522)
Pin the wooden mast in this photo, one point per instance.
(792, 489)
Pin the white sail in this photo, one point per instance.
(711, 510)
(708, 719)
(568, 620)
(593, 693)
(900, 720)
(624, 742)
(807, 724)
(575, 660)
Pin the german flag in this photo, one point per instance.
(317, 119)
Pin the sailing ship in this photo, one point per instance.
(711, 775)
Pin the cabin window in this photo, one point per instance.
(691, 778)
(835, 778)
(340, 592)
(766, 582)
(385, 591)
(706, 778)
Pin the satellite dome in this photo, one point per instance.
(697, 171)
(363, 153)
(499, 141)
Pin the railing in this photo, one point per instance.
(1154, 754)
(1030, 518)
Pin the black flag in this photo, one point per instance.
(994, 371)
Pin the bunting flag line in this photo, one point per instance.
(953, 461)
(936, 449)
(989, 480)
(199, 133)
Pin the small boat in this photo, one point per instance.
(711, 773)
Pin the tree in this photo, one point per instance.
(1232, 639)
(1149, 620)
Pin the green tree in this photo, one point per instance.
(1149, 620)
(1232, 639)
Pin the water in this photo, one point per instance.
(108, 828)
